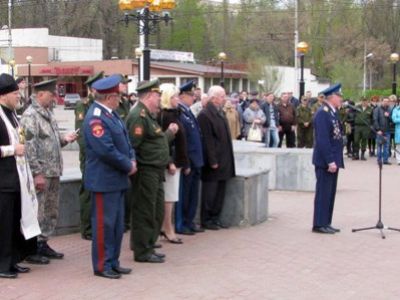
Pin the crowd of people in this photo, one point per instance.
(285, 120)
(145, 156)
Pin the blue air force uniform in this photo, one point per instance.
(187, 204)
(328, 148)
(109, 157)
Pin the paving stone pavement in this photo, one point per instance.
(279, 259)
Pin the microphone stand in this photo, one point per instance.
(379, 225)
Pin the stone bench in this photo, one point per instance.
(291, 169)
(246, 199)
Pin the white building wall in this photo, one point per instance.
(289, 82)
(61, 48)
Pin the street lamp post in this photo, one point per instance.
(29, 61)
(222, 57)
(12, 65)
(147, 18)
(394, 58)
(138, 55)
(302, 49)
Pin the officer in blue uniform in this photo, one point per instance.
(186, 207)
(109, 161)
(327, 159)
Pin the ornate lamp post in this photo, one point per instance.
(29, 61)
(222, 57)
(302, 49)
(394, 58)
(138, 55)
(147, 18)
(12, 65)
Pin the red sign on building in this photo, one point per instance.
(67, 71)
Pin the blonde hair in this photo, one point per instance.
(168, 90)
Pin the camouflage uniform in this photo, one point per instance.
(84, 196)
(43, 149)
(304, 134)
(362, 131)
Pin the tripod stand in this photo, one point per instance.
(379, 225)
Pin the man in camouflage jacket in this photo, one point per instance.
(43, 149)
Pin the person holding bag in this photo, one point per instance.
(253, 118)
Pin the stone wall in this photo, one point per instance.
(290, 169)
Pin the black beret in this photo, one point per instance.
(7, 84)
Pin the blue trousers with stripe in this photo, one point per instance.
(324, 197)
(107, 229)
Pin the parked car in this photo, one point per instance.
(70, 100)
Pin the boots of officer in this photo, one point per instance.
(45, 250)
(363, 155)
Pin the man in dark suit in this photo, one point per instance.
(190, 176)
(327, 159)
(109, 161)
(219, 163)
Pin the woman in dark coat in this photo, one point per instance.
(178, 157)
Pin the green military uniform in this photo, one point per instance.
(84, 196)
(124, 107)
(304, 133)
(151, 145)
(362, 130)
(315, 107)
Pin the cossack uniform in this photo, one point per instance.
(109, 157)
(81, 110)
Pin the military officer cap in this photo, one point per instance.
(47, 85)
(125, 79)
(334, 89)
(7, 84)
(19, 79)
(187, 87)
(94, 78)
(148, 86)
(108, 85)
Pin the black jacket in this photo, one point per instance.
(178, 147)
(9, 181)
(381, 122)
(217, 145)
(265, 108)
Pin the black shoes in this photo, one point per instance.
(172, 241)
(19, 269)
(45, 250)
(110, 274)
(185, 231)
(325, 230)
(158, 254)
(152, 258)
(210, 226)
(37, 259)
(121, 270)
(156, 246)
(221, 225)
(197, 229)
(387, 163)
(86, 236)
(9, 275)
(333, 228)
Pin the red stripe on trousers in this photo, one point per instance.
(100, 231)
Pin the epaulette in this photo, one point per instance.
(326, 109)
(143, 113)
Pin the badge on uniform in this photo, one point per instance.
(138, 131)
(326, 108)
(80, 116)
(143, 113)
(97, 130)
